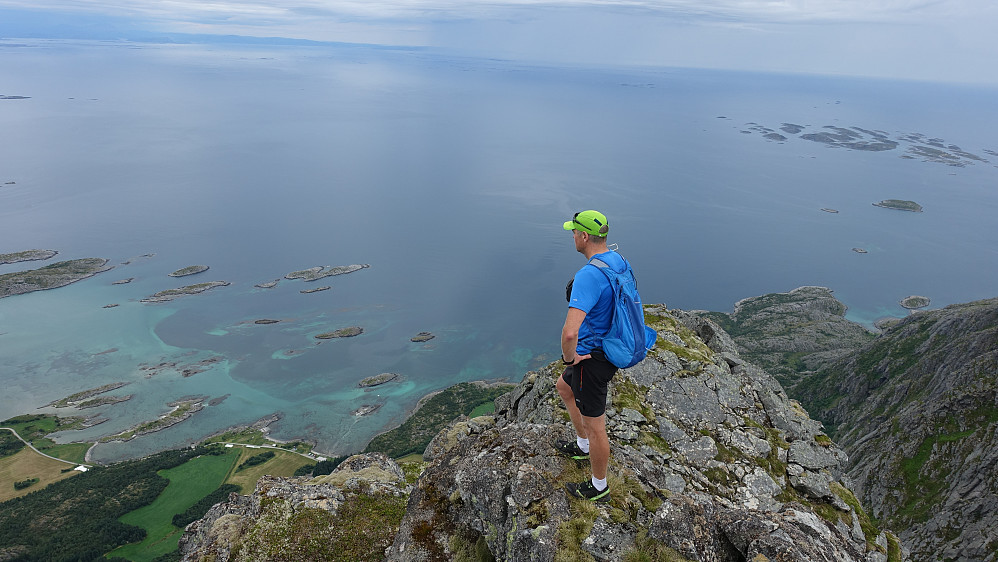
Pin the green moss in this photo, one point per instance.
(694, 349)
(772, 463)
(727, 454)
(628, 394)
(829, 513)
(823, 440)
(870, 530)
(655, 441)
(412, 471)
(470, 548)
(647, 549)
(681, 351)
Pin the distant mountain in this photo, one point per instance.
(915, 408)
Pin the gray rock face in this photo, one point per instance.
(917, 410)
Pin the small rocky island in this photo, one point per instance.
(266, 321)
(366, 410)
(84, 395)
(378, 380)
(189, 270)
(181, 410)
(421, 337)
(341, 333)
(914, 302)
(27, 255)
(170, 294)
(320, 272)
(315, 290)
(51, 276)
(268, 284)
(900, 205)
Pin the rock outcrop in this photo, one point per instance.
(350, 514)
(711, 461)
(792, 334)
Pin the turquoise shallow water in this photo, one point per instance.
(451, 179)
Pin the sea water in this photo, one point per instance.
(450, 177)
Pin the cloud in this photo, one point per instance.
(270, 12)
(926, 39)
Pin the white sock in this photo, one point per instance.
(583, 443)
(599, 484)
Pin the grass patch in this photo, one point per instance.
(823, 440)
(189, 483)
(922, 492)
(360, 531)
(483, 409)
(283, 463)
(870, 530)
(647, 549)
(893, 548)
(31, 427)
(72, 452)
(366, 526)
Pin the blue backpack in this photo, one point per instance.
(628, 340)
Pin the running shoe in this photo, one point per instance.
(571, 450)
(586, 491)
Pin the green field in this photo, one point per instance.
(189, 483)
(483, 409)
(72, 452)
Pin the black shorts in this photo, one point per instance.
(589, 380)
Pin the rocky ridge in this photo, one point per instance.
(914, 408)
(917, 411)
(711, 462)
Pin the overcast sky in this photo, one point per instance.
(938, 40)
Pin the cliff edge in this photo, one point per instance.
(711, 461)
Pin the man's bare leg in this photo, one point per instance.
(568, 397)
(599, 445)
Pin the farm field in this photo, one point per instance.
(189, 483)
(284, 463)
(29, 464)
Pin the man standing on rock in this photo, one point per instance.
(583, 385)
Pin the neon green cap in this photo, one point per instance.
(590, 222)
